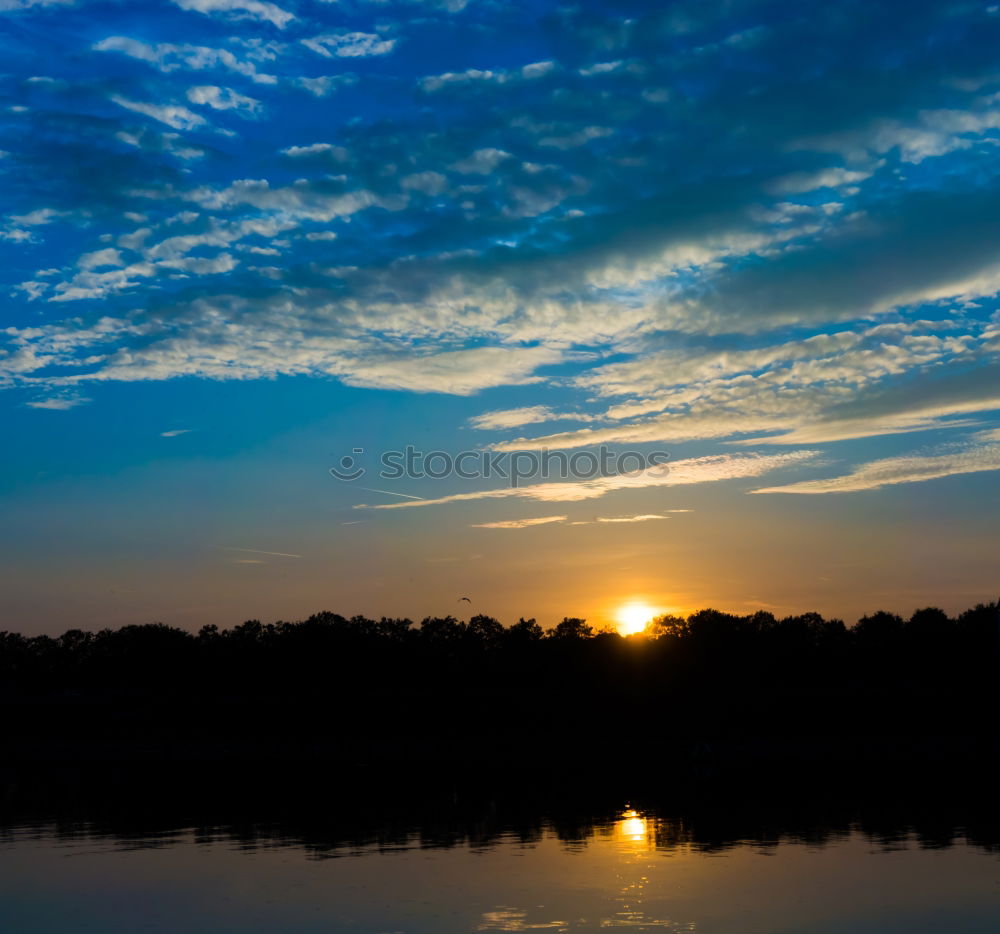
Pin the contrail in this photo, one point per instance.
(257, 551)
(390, 493)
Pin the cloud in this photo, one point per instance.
(336, 153)
(685, 252)
(481, 161)
(527, 415)
(430, 183)
(643, 517)
(460, 372)
(29, 4)
(253, 9)
(826, 387)
(58, 403)
(224, 99)
(257, 551)
(106, 257)
(176, 432)
(500, 76)
(168, 57)
(173, 115)
(301, 200)
(894, 470)
(37, 217)
(512, 418)
(349, 45)
(150, 140)
(518, 523)
(710, 469)
(831, 177)
(325, 85)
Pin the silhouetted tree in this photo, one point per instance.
(571, 628)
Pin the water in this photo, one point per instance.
(629, 869)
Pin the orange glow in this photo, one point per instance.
(633, 831)
(634, 616)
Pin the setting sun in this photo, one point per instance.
(633, 617)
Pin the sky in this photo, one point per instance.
(246, 242)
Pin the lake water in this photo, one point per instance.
(629, 869)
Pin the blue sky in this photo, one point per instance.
(242, 238)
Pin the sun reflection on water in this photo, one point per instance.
(632, 827)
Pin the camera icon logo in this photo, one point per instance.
(348, 468)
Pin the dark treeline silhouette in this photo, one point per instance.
(359, 688)
(155, 807)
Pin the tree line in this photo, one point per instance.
(451, 681)
(882, 644)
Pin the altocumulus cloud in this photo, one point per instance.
(719, 228)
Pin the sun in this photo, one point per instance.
(633, 616)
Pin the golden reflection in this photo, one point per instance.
(627, 859)
(634, 829)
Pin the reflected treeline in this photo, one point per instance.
(325, 820)
(710, 687)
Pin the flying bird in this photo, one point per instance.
(466, 599)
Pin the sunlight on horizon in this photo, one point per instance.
(634, 616)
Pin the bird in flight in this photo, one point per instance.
(466, 599)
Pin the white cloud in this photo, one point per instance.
(59, 403)
(99, 258)
(513, 418)
(349, 45)
(798, 182)
(28, 4)
(87, 284)
(600, 68)
(473, 75)
(915, 418)
(895, 470)
(670, 427)
(32, 288)
(167, 57)
(537, 69)
(643, 517)
(149, 139)
(173, 115)
(37, 217)
(518, 523)
(338, 153)
(254, 9)
(302, 200)
(709, 469)
(481, 161)
(176, 432)
(460, 372)
(795, 392)
(325, 85)
(430, 183)
(224, 99)
(436, 82)
(933, 133)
